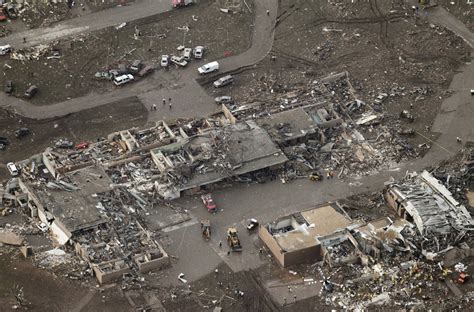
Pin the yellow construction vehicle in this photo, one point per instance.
(233, 239)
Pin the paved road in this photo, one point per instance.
(189, 99)
(89, 22)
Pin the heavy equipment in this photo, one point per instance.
(233, 239)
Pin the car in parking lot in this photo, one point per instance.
(12, 168)
(198, 52)
(164, 61)
(224, 99)
(8, 86)
(223, 81)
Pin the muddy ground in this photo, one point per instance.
(87, 125)
(72, 75)
(382, 52)
(462, 9)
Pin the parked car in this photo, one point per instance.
(252, 225)
(31, 91)
(8, 86)
(180, 61)
(209, 202)
(123, 79)
(63, 143)
(22, 132)
(4, 49)
(223, 81)
(3, 143)
(198, 52)
(136, 66)
(164, 60)
(12, 168)
(187, 54)
(208, 68)
(223, 99)
(146, 71)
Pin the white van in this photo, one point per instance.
(208, 68)
(187, 54)
(5, 49)
(12, 169)
(123, 79)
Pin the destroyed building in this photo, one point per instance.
(423, 200)
(296, 238)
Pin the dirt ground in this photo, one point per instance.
(413, 63)
(87, 125)
(72, 75)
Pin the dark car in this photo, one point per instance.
(224, 99)
(3, 143)
(136, 66)
(22, 132)
(63, 143)
(8, 86)
(31, 91)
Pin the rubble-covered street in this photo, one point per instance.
(236, 155)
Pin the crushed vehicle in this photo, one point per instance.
(181, 3)
(208, 68)
(8, 86)
(179, 60)
(252, 225)
(145, 71)
(233, 239)
(206, 228)
(164, 60)
(12, 168)
(31, 91)
(315, 176)
(82, 145)
(3, 17)
(209, 203)
(223, 81)
(104, 75)
(198, 52)
(4, 49)
(380, 98)
(224, 99)
(407, 116)
(22, 132)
